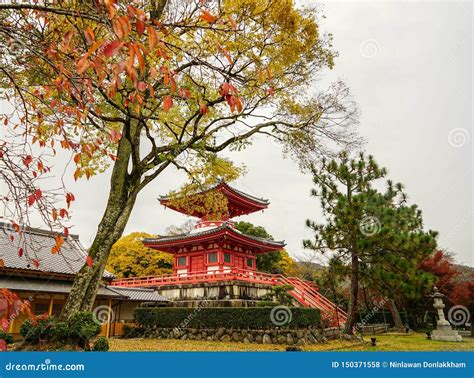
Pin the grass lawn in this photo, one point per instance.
(385, 342)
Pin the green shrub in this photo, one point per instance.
(101, 345)
(6, 336)
(130, 332)
(227, 317)
(83, 326)
(79, 330)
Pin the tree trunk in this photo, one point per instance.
(122, 197)
(351, 312)
(395, 315)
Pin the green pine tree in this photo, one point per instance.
(376, 233)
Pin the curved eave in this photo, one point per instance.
(218, 234)
(245, 203)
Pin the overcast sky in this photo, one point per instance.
(409, 67)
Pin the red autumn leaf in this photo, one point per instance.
(38, 194)
(167, 103)
(31, 199)
(20, 252)
(206, 16)
(12, 238)
(112, 48)
(141, 86)
(27, 160)
(4, 324)
(35, 262)
(55, 214)
(271, 91)
(140, 25)
(69, 198)
(66, 232)
(40, 166)
(89, 261)
(63, 213)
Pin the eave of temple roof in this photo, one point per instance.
(252, 203)
(214, 234)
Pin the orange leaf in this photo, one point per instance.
(232, 22)
(167, 103)
(203, 108)
(89, 261)
(152, 38)
(55, 214)
(206, 16)
(77, 172)
(112, 48)
(89, 34)
(82, 65)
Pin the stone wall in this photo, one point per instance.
(273, 336)
(225, 290)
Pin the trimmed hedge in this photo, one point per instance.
(225, 317)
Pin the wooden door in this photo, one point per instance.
(197, 263)
(239, 262)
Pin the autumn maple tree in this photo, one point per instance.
(143, 86)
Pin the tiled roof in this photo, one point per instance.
(212, 231)
(64, 287)
(39, 285)
(139, 294)
(37, 244)
(230, 188)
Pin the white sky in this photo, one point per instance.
(409, 67)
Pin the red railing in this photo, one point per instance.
(303, 291)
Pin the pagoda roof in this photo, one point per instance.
(216, 234)
(238, 202)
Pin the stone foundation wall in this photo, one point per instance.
(225, 290)
(274, 336)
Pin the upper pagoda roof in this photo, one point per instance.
(225, 231)
(238, 202)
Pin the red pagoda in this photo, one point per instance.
(215, 245)
(217, 263)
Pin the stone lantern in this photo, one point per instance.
(443, 331)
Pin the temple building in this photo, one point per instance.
(216, 263)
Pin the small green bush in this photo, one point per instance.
(6, 336)
(227, 317)
(130, 332)
(79, 330)
(84, 326)
(101, 345)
